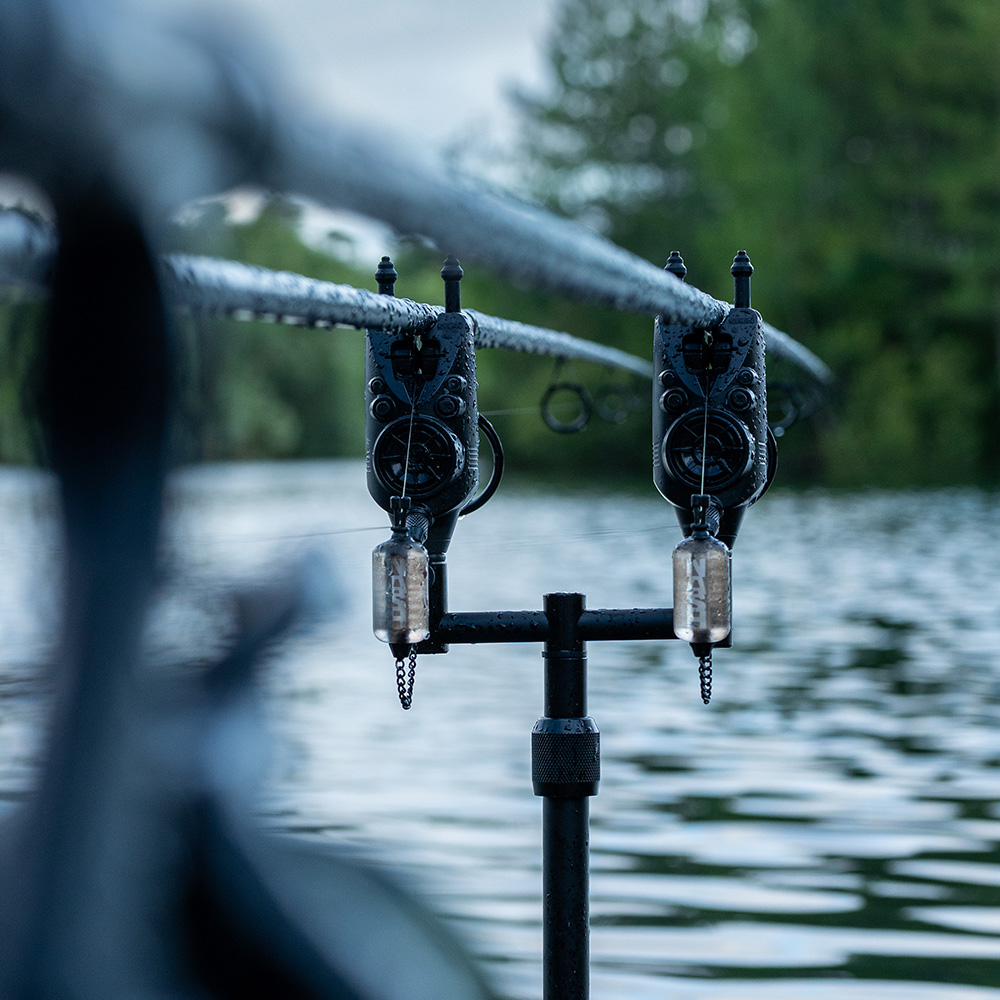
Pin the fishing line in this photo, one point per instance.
(525, 542)
(305, 534)
(704, 439)
(318, 534)
(507, 413)
(559, 407)
(414, 396)
(704, 448)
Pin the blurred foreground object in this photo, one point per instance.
(137, 868)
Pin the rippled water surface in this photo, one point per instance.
(827, 828)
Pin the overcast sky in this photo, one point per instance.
(427, 69)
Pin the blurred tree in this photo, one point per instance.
(853, 149)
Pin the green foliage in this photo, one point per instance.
(257, 390)
(853, 149)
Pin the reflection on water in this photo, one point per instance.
(827, 828)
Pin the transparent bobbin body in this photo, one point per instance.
(400, 590)
(703, 592)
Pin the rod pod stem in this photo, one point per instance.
(565, 771)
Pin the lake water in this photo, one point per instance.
(827, 829)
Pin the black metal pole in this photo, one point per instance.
(565, 770)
